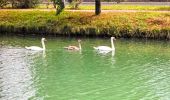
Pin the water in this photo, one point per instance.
(139, 70)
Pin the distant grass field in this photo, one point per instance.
(109, 7)
(126, 7)
(116, 7)
(119, 24)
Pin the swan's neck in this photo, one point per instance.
(43, 45)
(112, 44)
(79, 45)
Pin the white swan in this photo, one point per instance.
(74, 47)
(106, 48)
(36, 48)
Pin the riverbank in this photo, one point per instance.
(119, 24)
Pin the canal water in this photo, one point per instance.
(137, 70)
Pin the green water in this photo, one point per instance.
(139, 70)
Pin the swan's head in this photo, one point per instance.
(43, 39)
(113, 38)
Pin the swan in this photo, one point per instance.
(74, 47)
(36, 48)
(106, 48)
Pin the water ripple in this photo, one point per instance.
(15, 75)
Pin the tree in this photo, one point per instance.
(12, 3)
(24, 3)
(60, 6)
(54, 3)
(75, 3)
(97, 7)
(47, 3)
(118, 1)
(3, 3)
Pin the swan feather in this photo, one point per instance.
(103, 48)
(34, 48)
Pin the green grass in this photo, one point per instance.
(119, 24)
(126, 7)
(116, 7)
(109, 7)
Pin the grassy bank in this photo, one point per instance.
(119, 24)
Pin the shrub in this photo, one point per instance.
(24, 3)
(3, 3)
(75, 3)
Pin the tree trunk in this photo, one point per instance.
(13, 4)
(54, 4)
(97, 7)
(60, 7)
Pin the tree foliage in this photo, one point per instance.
(24, 3)
(54, 3)
(118, 1)
(3, 3)
(75, 3)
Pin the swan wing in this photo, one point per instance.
(103, 51)
(103, 48)
(75, 47)
(34, 48)
(72, 48)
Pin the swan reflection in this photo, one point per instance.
(106, 52)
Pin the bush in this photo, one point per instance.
(24, 3)
(3, 3)
(75, 3)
